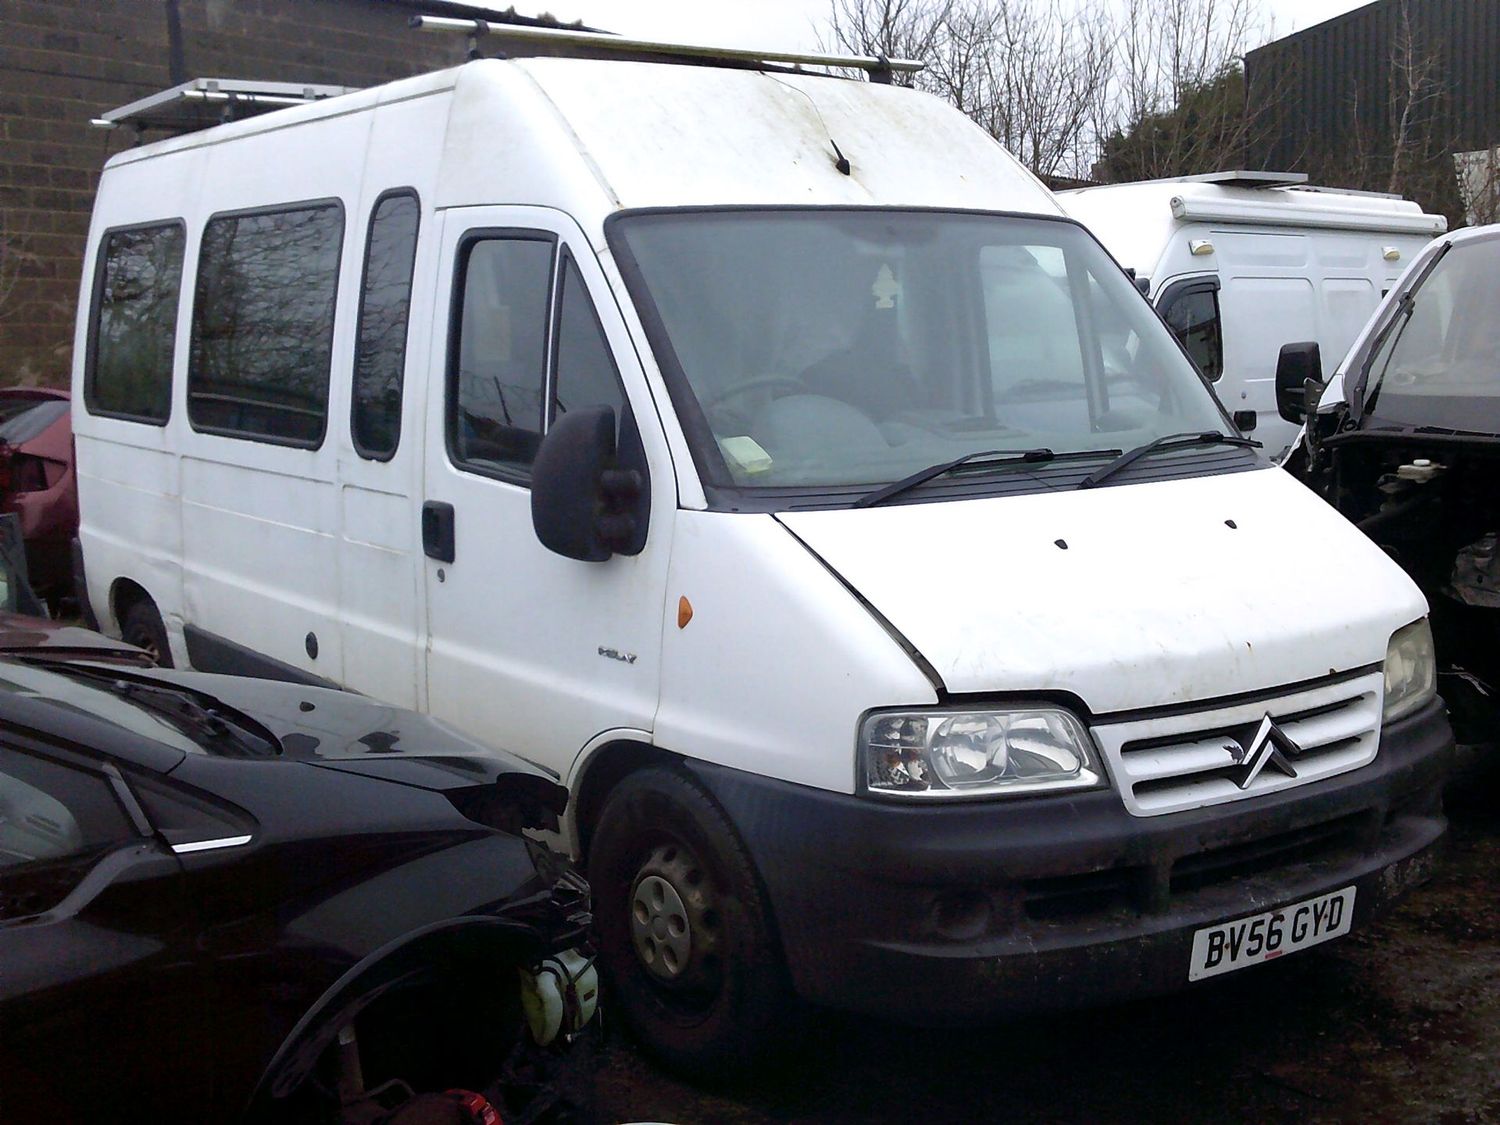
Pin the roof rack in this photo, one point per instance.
(212, 101)
(567, 40)
(1245, 177)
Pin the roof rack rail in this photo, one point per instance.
(1352, 191)
(205, 102)
(560, 40)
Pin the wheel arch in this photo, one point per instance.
(596, 777)
(123, 594)
(448, 945)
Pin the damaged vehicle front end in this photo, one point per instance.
(257, 901)
(1405, 442)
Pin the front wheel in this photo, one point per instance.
(685, 934)
(142, 626)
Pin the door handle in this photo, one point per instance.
(437, 530)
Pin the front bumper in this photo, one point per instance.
(969, 911)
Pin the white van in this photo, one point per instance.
(769, 456)
(1240, 263)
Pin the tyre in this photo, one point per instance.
(141, 626)
(685, 936)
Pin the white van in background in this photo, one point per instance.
(1240, 263)
(767, 455)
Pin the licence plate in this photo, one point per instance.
(1265, 937)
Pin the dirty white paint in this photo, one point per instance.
(1154, 603)
(1155, 597)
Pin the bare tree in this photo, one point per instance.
(1415, 92)
(1403, 145)
(1180, 104)
(1034, 73)
(1479, 184)
(909, 29)
(1157, 86)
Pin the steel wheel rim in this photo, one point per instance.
(674, 919)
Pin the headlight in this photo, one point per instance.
(934, 754)
(1410, 670)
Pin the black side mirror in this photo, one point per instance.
(1245, 420)
(583, 506)
(1142, 284)
(1299, 380)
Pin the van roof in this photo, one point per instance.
(1138, 220)
(658, 135)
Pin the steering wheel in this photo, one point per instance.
(754, 383)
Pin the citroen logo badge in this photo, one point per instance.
(1268, 746)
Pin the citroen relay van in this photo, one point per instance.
(1239, 263)
(770, 457)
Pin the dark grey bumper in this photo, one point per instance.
(970, 911)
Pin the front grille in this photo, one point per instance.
(1170, 763)
(1270, 853)
(1145, 889)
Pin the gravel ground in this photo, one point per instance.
(1400, 1023)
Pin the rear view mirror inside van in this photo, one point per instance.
(583, 505)
(1297, 366)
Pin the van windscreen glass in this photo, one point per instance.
(129, 373)
(263, 324)
(385, 300)
(827, 348)
(1438, 361)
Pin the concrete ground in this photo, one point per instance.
(1399, 1023)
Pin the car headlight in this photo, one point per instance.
(937, 754)
(1410, 670)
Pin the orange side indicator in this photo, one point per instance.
(684, 612)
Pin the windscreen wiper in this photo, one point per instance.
(221, 728)
(1168, 441)
(982, 457)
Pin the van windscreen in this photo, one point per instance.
(833, 348)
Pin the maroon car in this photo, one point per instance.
(38, 484)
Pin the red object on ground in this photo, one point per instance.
(477, 1106)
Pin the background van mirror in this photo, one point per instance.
(1297, 365)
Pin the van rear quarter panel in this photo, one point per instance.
(130, 521)
(239, 537)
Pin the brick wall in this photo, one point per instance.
(65, 61)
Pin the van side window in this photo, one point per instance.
(263, 324)
(498, 364)
(1193, 317)
(384, 301)
(134, 327)
(586, 371)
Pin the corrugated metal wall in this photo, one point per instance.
(1323, 77)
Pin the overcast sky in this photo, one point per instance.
(795, 24)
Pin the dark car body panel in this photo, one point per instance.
(269, 892)
(22, 633)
